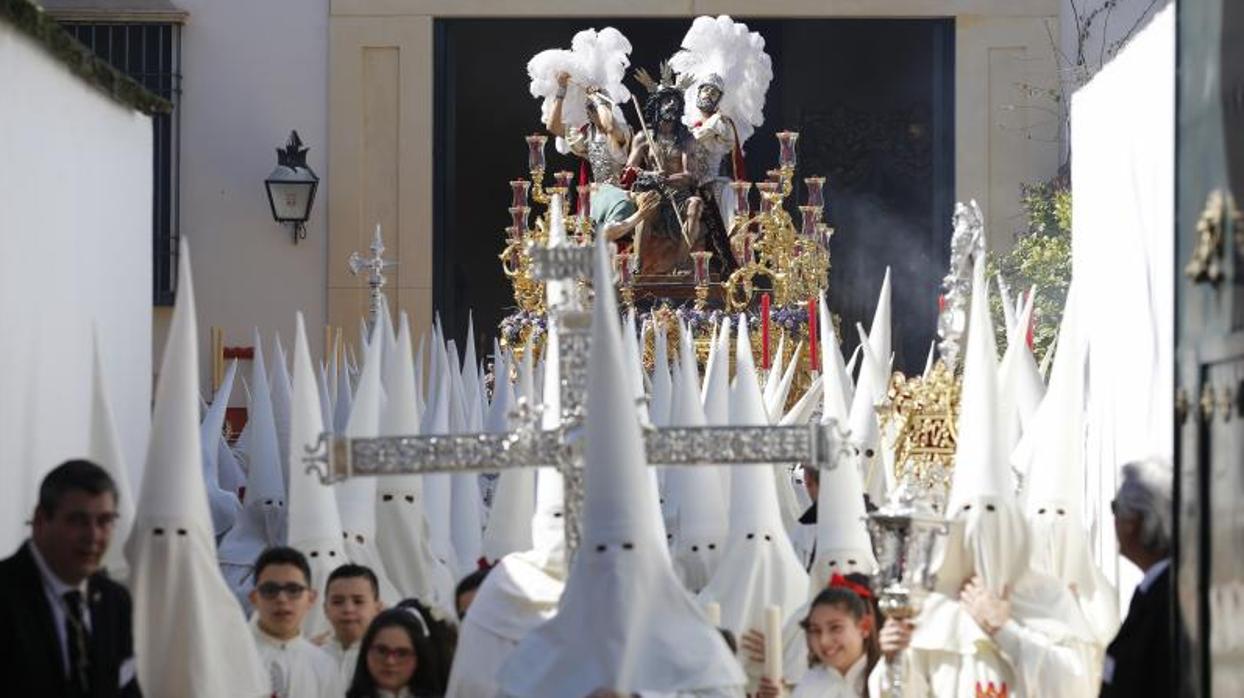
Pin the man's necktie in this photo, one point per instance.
(78, 640)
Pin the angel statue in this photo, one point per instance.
(581, 90)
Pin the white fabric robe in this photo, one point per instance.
(1030, 654)
(298, 668)
(346, 659)
(824, 682)
(516, 596)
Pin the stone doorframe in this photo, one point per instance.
(381, 104)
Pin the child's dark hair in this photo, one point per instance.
(859, 608)
(352, 571)
(442, 637)
(282, 555)
(426, 680)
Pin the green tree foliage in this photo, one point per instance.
(1041, 257)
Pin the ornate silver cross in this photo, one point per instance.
(561, 267)
(374, 266)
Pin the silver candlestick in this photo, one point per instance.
(374, 266)
(907, 535)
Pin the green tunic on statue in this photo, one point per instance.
(610, 203)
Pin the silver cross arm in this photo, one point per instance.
(337, 458)
(734, 445)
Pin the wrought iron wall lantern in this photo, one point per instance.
(291, 187)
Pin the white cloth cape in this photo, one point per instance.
(518, 594)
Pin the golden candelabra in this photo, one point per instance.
(522, 235)
(795, 260)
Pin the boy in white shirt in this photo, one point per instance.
(282, 597)
(351, 601)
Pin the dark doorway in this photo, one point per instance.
(872, 99)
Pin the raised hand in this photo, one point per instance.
(989, 610)
(895, 636)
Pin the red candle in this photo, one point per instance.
(812, 335)
(764, 331)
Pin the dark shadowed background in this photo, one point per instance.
(873, 101)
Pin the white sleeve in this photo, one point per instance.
(714, 129)
(1044, 667)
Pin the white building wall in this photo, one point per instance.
(1123, 228)
(75, 249)
(252, 71)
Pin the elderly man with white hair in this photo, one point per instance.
(1139, 660)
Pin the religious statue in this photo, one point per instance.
(660, 162)
(582, 88)
(603, 143)
(724, 103)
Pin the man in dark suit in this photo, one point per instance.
(65, 627)
(1140, 660)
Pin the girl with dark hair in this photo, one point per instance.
(396, 659)
(442, 639)
(842, 647)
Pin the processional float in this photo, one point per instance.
(549, 265)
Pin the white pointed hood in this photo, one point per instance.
(760, 567)
(1008, 308)
(104, 449)
(229, 470)
(834, 396)
(356, 497)
(420, 382)
(775, 404)
(438, 487)
(401, 524)
(548, 525)
(314, 524)
(771, 381)
(514, 499)
(843, 545)
(862, 421)
(1021, 386)
(472, 407)
(662, 386)
(189, 637)
(280, 388)
(635, 367)
(224, 505)
(343, 398)
(326, 398)
(647, 633)
(879, 333)
(1054, 493)
(982, 492)
(262, 521)
(801, 412)
(465, 511)
(716, 394)
(851, 380)
(696, 504)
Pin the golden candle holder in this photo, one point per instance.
(700, 261)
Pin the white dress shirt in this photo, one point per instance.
(346, 658)
(298, 668)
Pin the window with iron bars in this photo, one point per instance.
(150, 53)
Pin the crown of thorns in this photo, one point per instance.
(667, 82)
